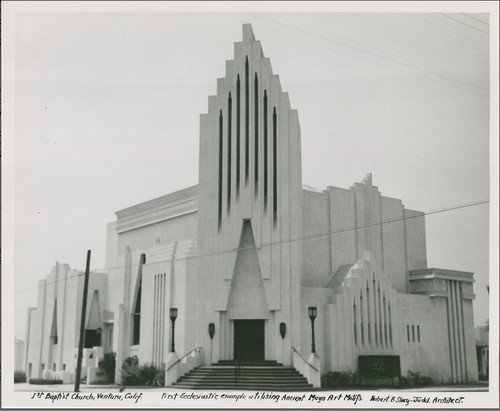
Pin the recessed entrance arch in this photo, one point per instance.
(249, 339)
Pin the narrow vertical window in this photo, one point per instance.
(385, 322)
(136, 313)
(354, 314)
(220, 170)
(361, 322)
(380, 319)
(390, 324)
(265, 152)
(238, 137)
(247, 122)
(418, 333)
(413, 332)
(256, 116)
(368, 314)
(229, 152)
(408, 332)
(375, 319)
(53, 332)
(275, 168)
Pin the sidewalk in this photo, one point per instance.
(478, 387)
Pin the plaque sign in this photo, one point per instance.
(379, 366)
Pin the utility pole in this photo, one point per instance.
(82, 326)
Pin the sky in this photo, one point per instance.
(106, 115)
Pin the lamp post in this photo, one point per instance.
(173, 317)
(313, 312)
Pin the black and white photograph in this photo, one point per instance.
(238, 204)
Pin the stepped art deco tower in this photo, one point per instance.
(250, 210)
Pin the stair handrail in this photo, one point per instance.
(237, 369)
(303, 359)
(184, 356)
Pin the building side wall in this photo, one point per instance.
(416, 249)
(433, 335)
(430, 355)
(32, 343)
(64, 285)
(394, 243)
(167, 285)
(316, 247)
(360, 220)
(124, 254)
(18, 354)
(344, 249)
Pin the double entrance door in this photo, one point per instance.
(249, 339)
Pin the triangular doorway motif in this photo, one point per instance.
(247, 298)
(94, 318)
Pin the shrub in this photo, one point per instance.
(340, 379)
(414, 379)
(42, 381)
(145, 374)
(130, 371)
(108, 365)
(19, 376)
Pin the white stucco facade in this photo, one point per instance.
(250, 246)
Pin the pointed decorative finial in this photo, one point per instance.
(248, 32)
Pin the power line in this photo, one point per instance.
(384, 55)
(450, 28)
(480, 21)
(386, 62)
(465, 24)
(337, 231)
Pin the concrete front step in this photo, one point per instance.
(242, 384)
(266, 376)
(245, 370)
(259, 363)
(243, 379)
(244, 387)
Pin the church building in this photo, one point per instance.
(253, 265)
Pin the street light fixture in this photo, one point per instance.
(313, 312)
(173, 317)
